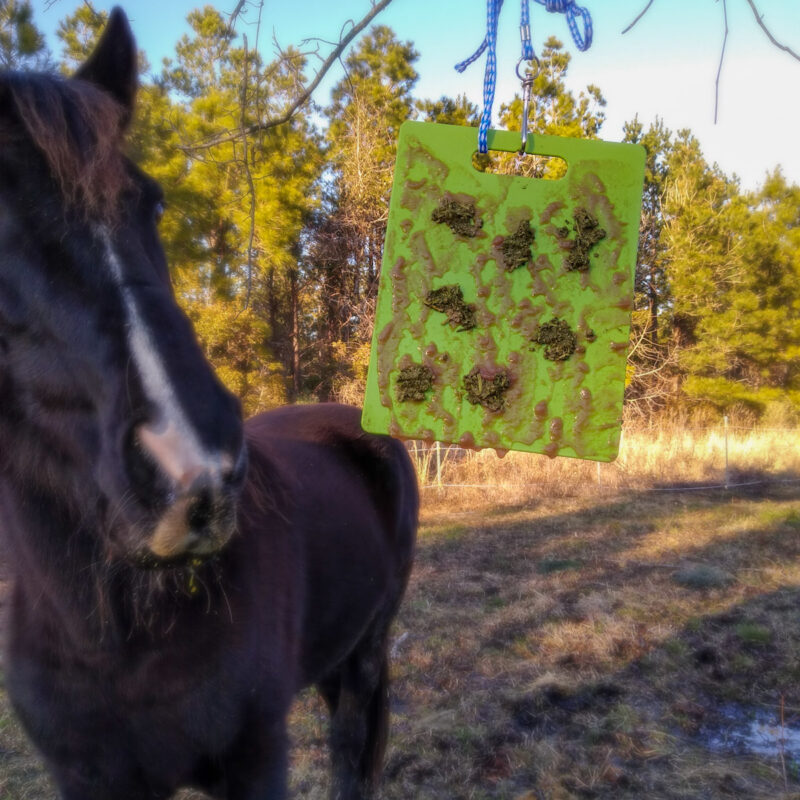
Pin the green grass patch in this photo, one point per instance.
(753, 634)
(554, 564)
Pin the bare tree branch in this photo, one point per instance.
(639, 16)
(235, 13)
(721, 58)
(303, 97)
(760, 21)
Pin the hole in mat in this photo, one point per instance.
(528, 165)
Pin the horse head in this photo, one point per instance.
(106, 400)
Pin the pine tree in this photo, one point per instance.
(734, 269)
(345, 245)
(449, 111)
(554, 110)
(243, 202)
(79, 33)
(22, 44)
(651, 358)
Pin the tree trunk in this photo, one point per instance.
(295, 336)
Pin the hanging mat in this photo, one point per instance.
(504, 305)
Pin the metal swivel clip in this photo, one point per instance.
(527, 78)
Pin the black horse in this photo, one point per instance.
(178, 575)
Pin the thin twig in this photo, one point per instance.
(640, 15)
(721, 57)
(251, 189)
(303, 97)
(760, 21)
(257, 44)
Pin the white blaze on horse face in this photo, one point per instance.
(170, 438)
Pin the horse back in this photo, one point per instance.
(350, 501)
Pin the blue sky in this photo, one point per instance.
(665, 66)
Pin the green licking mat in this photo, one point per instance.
(504, 305)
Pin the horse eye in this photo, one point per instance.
(158, 212)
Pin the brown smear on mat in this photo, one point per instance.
(485, 391)
(587, 232)
(459, 215)
(446, 372)
(557, 338)
(449, 300)
(413, 383)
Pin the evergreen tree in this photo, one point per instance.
(345, 246)
(448, 111)
(734, 269)
(22, 44)
(554, 110)
(79, 33)
(243, 202)
(651, 357)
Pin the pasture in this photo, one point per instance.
(580, 641)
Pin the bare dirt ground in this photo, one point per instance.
(627, 645)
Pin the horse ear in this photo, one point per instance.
(113, 64)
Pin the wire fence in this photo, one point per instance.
(678, 459)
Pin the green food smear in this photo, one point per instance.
(587, 234)
(517, 247)
(486, 392)
(558, 340)
(460, 215)
(450, 300)
(413, 383)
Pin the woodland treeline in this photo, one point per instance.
(274, 232)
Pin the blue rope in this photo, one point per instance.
(528, 53)
(490, 75)
(583, 41)
(489, 43)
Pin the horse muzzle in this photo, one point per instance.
(197, 517)
(197, 524)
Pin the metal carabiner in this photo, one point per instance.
(527, 90)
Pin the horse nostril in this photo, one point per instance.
(200, 512)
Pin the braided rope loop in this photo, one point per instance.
(490, 76)
(572, 11)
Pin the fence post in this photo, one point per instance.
(727, 471)
(439, 465)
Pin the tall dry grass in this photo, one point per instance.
(650, 458)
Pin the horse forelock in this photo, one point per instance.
(78, 129)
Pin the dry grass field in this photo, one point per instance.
(572, 632)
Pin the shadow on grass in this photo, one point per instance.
(556, 655)
(710, 712)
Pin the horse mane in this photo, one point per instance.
(78, 129)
